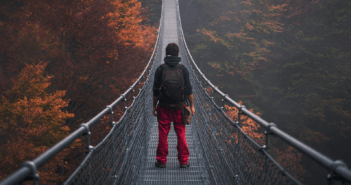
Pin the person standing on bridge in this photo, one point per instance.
(171, 93)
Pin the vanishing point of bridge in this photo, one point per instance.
(220, 152)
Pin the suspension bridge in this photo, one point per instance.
(220, 151)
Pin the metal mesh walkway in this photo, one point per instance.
(172, 175)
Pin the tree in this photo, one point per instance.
(91, 47)
(32, 121)
(93, 50)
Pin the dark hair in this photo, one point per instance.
(172, 49)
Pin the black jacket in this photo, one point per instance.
(172, 61)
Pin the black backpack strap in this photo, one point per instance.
(178, 66)
(164, 66)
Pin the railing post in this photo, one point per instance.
(89, 148)
(133, 94)
(239, 113)
(267, 133)
(125, 102)
(332, 176)
(223, 100)
(111, 112)
(87, 132)
(205, 86)
(33, 168)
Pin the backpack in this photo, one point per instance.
(172, 84)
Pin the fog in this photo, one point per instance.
(289, 60)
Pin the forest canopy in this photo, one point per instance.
(287, 59)
(61, 62)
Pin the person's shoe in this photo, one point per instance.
(160, 165)
(185, 165)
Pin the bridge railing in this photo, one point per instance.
(338, 169)
(29, 168)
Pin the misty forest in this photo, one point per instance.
(63, 61)
(287, 60)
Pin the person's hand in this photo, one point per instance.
(193, 110)
(154, 112)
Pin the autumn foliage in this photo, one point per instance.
(288, 157)
(249, 126)
(32, 120)
(61, 62)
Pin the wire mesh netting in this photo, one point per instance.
(121, 156)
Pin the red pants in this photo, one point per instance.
(166, 116)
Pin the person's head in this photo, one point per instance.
(172, 49)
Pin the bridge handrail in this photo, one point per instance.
(338, 167)
(30, 167)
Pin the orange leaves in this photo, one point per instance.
(290, 159)
(211, 34)
(249, 26)
(240, 35)
(214, 37)
(249, 126)
(125, 18)
(30, 82)
(246, 2)
(224, 18)
(245, 12)
(209, 90)
(36, 117)
(278, 8)
(31, 102)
